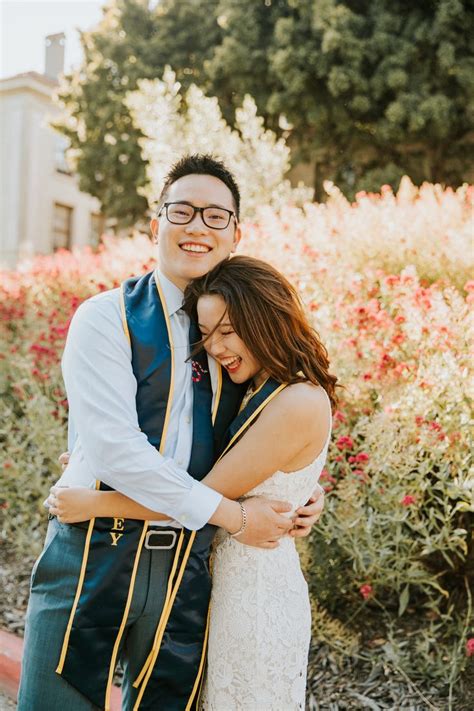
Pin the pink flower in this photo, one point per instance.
(326, 476)
(344, 443)
(408, 500)
(470, 647)
(366, 591)
(361, 474)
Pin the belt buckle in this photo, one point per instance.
(161, 547)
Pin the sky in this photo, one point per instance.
(25, 23)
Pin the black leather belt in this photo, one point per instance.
(157, 537)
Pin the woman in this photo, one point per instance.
(252, 322)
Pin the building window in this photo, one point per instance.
(62, 226)
(61, 145)
(97, 227)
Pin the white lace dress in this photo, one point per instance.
(260, 620)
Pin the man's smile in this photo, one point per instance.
(195, 247)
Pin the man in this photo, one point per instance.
(139, 423)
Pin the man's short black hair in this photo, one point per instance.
(202, 164)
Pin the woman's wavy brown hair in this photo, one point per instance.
(266, 312)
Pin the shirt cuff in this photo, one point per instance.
(198, 506)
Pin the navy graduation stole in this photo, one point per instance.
(171, 677)
(259, 399)
(98, 618)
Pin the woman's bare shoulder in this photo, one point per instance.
(304, 404)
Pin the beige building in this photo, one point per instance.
(42, 208)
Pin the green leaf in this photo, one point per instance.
(404, 600)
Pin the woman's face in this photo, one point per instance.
(225, 345)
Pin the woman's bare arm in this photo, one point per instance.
(296, 418)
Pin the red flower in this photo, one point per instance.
(344, 443)
(408, 500)
(366, 591)
(197, 371)
(470, 647)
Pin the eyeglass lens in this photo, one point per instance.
(181, 214)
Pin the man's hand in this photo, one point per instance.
(309, 514)
(265, 523)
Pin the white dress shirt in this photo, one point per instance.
(104, 437)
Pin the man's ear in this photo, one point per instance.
(237, 237)
(154, 224)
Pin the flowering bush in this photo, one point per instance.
(395, 535)
(176, 123)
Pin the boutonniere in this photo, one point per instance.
(198, 371)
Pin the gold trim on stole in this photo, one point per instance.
(217, 398)
(200, 677)
(161, 631)
(124, 314)
(144, 669)
(118, 639)
(65, 645)
(170, 338)
(80, 583)
(253, 415)
(161, 450)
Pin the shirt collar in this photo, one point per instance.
(173, 295)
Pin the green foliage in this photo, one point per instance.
(368, 86)
(131, 42)
(175, 122)
(392, 560)
(365, 92)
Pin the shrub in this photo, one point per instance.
(176, 123)
(396, 537)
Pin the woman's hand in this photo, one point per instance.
(72, 504)
(63, 459)
(309, 514)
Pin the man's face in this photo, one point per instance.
(186, 252)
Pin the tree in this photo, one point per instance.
(174, 122)
(364, 90)
(373, 89)
(133, 41)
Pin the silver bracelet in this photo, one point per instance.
(244, 521)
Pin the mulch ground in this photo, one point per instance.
(335, 683)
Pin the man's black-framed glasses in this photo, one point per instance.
(182, 213)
